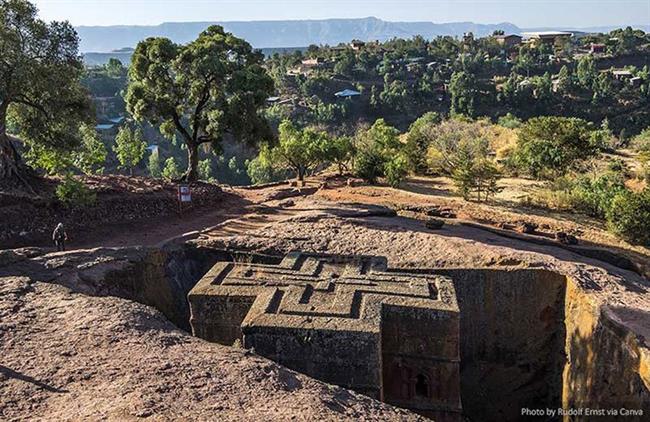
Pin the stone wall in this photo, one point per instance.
(511, 340)
(345, 320)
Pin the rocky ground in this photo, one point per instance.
(67, 356)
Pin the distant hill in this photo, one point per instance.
(281, 34)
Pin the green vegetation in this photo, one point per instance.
(629, 216)
(477, 177)
(300, 150)
(548, 146)
(41, 97)
(155, 165)
(74, 193)
(171, 172)
(379, 153)
(545, 110)
(129, 147)
(201, 92)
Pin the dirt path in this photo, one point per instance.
(159, 230)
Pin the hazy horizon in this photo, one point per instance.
(523, 13)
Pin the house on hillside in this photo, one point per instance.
(509, 41)
(598, 48)
(311, 63)
(357, 45)
(622, 74)
(636, 81)
(347, 94)
(547, 37)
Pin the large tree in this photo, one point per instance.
(204, 91)
(40, 93)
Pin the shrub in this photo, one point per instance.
(396, 170)
(478, 177)
(590, 195)
(205, 170)
(261, 169)
(452, 139)
(594, 196)
(629, 216)
(74, 193)
(369, 164)
(509, 121)
(417, 140)
(375, 149)
(171, 170)
(548, 146)
(154, 164)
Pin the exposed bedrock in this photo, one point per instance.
(528, 337)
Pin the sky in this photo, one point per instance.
(524, 13)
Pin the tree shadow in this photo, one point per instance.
(10, 373)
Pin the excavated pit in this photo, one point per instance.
(528, 338)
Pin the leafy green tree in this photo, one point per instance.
(154, 165)
(40, 90)
(115, 68)
(586, 71)
(88, 158)
(417, 140)
(596, 194)
(396, 169)
(340, 151)
(171, 170)
(565, 81)
(74, 194)
(91, 157)
(476, 176)
(375, 148)
(299, 149)
(129, 147)
(462, 88)
(204, 91)
(345, 63)
(629, 216)
(453, 141)
(549, 145)
(205, 170)
(262, 168)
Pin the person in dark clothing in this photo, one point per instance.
(59, 236)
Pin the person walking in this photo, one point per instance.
(59, 236)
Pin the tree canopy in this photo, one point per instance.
(40, 91)
(203, 92)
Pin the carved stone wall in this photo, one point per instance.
(346, 320)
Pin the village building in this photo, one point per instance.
(622, 74)
(509, 41)
(357, 45)
(598, 48)
(547, 37)
(347, 93)
(636, 81)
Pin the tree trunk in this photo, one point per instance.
(191, 175)
(9, 159)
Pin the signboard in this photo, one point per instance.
(184, 193)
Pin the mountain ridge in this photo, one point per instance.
(281, 33)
